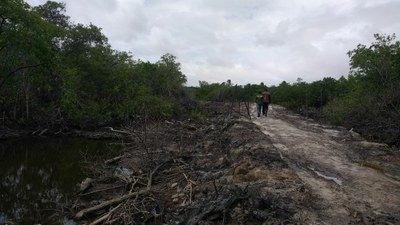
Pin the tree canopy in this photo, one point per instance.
(52, 69)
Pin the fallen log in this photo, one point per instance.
(108, 203)
(113, 160)
(105, 217)
(114, 201)
(119, 131)
(101, 190)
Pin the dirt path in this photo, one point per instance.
(349, 182)
(226, 169)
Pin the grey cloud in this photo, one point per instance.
(246, 41)
(219, 62)
(278, 37)
(380, 16)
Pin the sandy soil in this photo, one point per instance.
(355, 181)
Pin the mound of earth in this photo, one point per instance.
(228, 168)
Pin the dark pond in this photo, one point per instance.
(38, 175)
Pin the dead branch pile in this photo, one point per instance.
(218, 170)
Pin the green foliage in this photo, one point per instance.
(195, 115)
(53, 12)
(305, 95)
(337, 110)
(27, 55)
(377, 72)
(51, 67)
(225, 91)
(368, 100)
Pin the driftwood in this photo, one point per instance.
(106, 216)
(101, 190)
(119, 131)
(39, 131)
(110, 202)
(114, 201)
(113, 160)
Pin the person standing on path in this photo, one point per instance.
(259, 103)
(266, 101)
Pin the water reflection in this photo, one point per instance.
(39, 174)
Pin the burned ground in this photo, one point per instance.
(221, 169)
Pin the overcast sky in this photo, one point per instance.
(246, 41)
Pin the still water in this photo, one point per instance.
(39, 175)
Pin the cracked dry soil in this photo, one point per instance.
(229, 169)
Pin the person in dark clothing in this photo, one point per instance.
(266, 101)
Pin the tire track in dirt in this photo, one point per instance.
(316, 153)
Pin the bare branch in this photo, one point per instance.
(2, 82)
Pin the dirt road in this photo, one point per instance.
(352, 178)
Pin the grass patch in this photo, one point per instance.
(195, 115)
